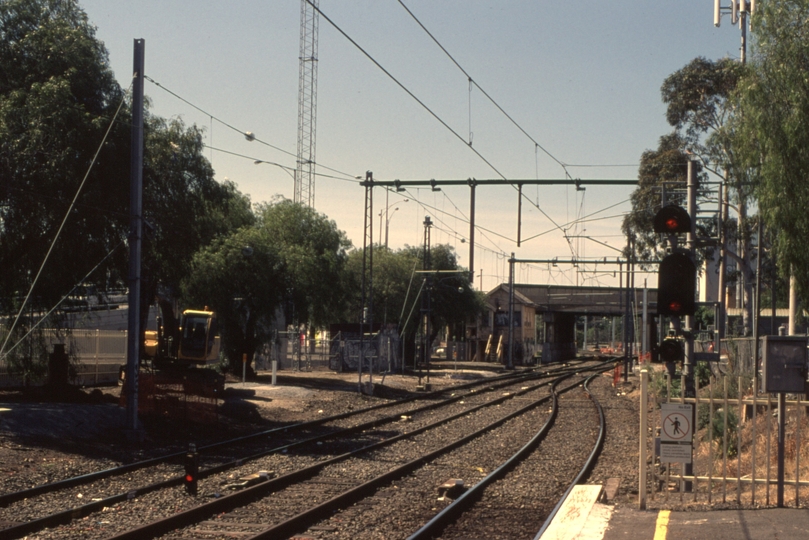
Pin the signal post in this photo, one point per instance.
(676, 292)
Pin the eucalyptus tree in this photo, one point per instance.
(772, 129)
(58, 97)
(64, 168)
(314, 252)
(702, 107)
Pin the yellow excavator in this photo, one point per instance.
(193, 342)
(179, 347)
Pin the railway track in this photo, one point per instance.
(513, 501)
(312, 443)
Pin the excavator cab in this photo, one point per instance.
(199, 338)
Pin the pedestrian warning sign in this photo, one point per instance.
(676, 432)
(676, 426)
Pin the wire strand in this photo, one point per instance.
(64, 219)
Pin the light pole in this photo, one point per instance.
(388, 216)
(387, 224)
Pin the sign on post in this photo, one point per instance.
(676, 432)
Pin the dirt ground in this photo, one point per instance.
(89, 423)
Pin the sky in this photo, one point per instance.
(581, 79)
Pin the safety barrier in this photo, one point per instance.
(729, 434)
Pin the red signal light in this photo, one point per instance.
(191, 470)
(672, 219)
(676, 285)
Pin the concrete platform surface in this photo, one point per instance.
(764, 524)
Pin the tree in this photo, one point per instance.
(57, 99)
(400, 285)
(702, 107)
(664, 166)
(242, 278)
(772, 129)
(184, 207)
(314, 253)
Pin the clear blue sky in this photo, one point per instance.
(582, 78)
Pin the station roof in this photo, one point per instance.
(591, 300)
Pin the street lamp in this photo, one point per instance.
(282, 167)
(388, 217)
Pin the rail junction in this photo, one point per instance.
(498, 453)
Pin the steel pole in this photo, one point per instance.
(135, 236)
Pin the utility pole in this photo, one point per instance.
(426, 299)
(510, 359)
(135, 235)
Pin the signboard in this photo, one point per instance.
(676, 432)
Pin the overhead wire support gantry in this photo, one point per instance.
(369, 183)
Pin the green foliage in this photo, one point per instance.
(667, 164)
(290, 261)
(57, 96)
(659, 386)
(772, 131)
(29, 360)
(241, 277)
(718, 426)
(702, 374)
(185, 207)
(400, 286)
(57, 99)
(698, 102)
(314, 254)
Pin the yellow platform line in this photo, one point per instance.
(662, 525)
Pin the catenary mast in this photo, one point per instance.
(307, 105)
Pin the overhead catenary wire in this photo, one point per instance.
(473, 82)
(249, 135)
(407, 90)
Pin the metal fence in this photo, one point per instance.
(95, 356)
(733, 448)
(380, 353)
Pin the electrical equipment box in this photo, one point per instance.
(783, 364)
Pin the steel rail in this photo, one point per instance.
(66, 516)
(588, 465)
(311, 516)
(250, 494)
(8, 498)
(449, 514)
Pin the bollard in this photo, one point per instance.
(244, 368)
(274, 371)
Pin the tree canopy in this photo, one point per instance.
(314, 252)
(242, 278)
(57, 99)
(289, 264)
(400, 284)
(772, 128)
(65, 168)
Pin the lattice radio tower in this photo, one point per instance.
(307, 105)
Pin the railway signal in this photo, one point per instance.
(672, 219)
(191, 470)
(677, 276)
(676, 286)
(671, 350)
